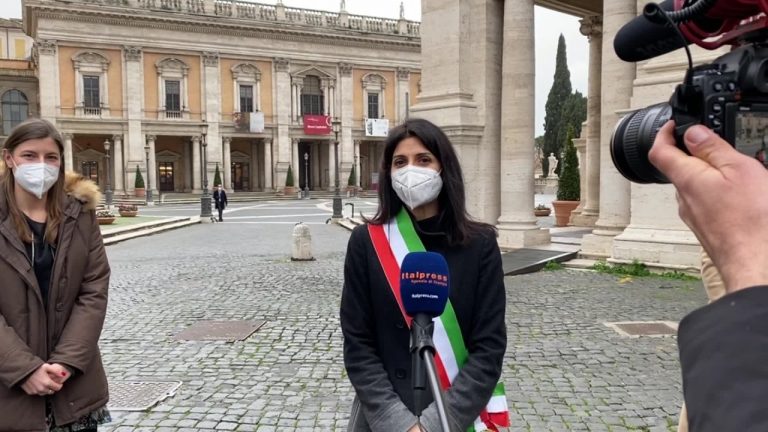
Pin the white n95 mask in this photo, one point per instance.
(416, 186)
(36, 178)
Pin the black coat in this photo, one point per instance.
(376, 338)
(220, 199)
(724, 356)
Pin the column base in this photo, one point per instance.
(521, 236)
(584, 219)
(673, 249)
(599, 244)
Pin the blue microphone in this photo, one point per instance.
(424, 287)
(424, 282)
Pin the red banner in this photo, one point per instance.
(317, 124)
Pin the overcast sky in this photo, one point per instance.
(549, 26)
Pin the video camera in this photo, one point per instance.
(729, 95)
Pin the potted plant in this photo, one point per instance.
(138, 184)
(217, 177)
(290, 186)
(105, 217)
(541, 210)
(568, 185)
(352, 181)
(128, 210)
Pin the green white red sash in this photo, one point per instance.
(392, 243)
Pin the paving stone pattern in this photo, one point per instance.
(564, 369)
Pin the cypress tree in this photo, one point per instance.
(568, 186)
(216, 177)
(138, 183)
(558, 97)
(289, 177)
(352, 177)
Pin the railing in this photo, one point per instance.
(264, 12)
(173, 114)
(91, 111)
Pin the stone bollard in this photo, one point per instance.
(302, 243)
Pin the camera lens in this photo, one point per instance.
(632, 140)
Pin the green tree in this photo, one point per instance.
(352, 177)
(139, 182)
(289, 178)
(559, 94)
(216, 177)
(568, 186)
(574, 115)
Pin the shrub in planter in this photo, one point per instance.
(138, 184)
(568, 186)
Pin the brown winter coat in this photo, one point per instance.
(69, 332)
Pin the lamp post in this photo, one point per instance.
(149, 179)
(336, 125)
(205, 199)
(108, 192)
(306, 175)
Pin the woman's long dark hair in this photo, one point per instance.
(456, 221)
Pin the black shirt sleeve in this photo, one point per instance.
(724, 358)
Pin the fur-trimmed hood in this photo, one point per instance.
(77, 187)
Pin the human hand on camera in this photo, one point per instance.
(40, 382)
(723, 197)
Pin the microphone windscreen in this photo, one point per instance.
(641, 39)
(424, 283)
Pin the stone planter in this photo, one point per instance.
(289, 190)
(563, 211)
(127, 213)
(542, 212)
(105, 220)
(140, 192)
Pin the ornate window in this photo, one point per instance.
(91, 84)
(15, 109)
(172, 89)
(373, 95)
(312, 96)
(247, 87)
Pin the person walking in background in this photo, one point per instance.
(422, 207)
(53, 295)
(220, 199)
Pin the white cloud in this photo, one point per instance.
(549, 25)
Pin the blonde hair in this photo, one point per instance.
(28, 130)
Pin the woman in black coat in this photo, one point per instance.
(422, 207)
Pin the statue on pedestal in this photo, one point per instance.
(552, 165)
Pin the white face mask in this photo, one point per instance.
(416, 186)
(36, 178)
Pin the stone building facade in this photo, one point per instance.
(18, 83)
(146, 75)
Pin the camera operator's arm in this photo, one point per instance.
(723, 197)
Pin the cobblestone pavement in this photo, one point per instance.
(564, 369)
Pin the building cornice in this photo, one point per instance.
(226, 27)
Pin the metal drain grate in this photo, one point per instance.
(644, 328)
(229, 331)
(139, 396)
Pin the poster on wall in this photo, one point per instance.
(317, 124)
(257, 122)
(376, 127)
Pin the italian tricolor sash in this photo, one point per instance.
(392, 243)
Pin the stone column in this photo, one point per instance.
(401, 95)
(346, 110)
(616, 93)
(152, 173)
(283, 119)
(134, 89)
(296, 166)
(212, 101)
(120, 171)
(227, 164)
(197, 184)
(592, 27)
(69, 157)
(332, 166)
(357, 163)
(517, 224)
(268, 171)
(47, 61)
